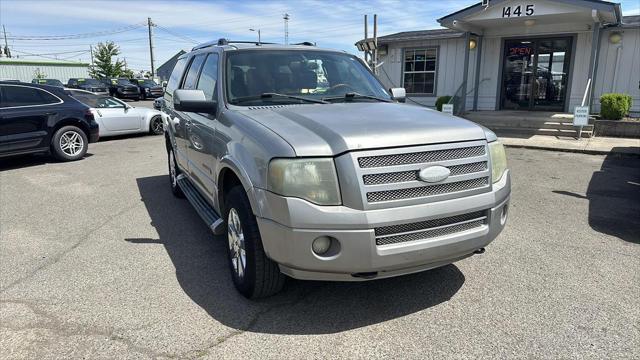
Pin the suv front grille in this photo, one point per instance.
(392, 175)
(429, 229)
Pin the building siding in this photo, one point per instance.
(25, 72)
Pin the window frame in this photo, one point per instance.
(214, 96)
(435, 71)
(60, 101)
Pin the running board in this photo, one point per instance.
(206, 212)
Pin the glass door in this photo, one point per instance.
(535, 74)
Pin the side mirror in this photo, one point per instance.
(398, 94)
(193, 101)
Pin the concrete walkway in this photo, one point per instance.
(596, 145)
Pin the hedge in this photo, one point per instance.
(615, 106)
(441, 100)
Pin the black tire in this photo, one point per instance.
(59, 148)
(261, 276)
(144, 96)
(173, 175)
(155, 126)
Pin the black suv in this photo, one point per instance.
(122, 88)
(148, 88)
(40, 118)
(88, 84)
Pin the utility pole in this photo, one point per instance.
(286, 28)
(153, 69)
(7, 53)
(366, 35)
(375, 41)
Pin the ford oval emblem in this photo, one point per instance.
(434, 174)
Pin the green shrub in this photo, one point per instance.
(441, 100)
(615, 106)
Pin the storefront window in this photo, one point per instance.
(420, 70)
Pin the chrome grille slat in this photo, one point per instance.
(430, 233)
(403, 176)
(421, 225)
(420, 157)
(430, 190)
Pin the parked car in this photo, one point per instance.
(148, 88)
(51, 82)
(325, 180)
(40, 119)
(116, 117)
(88, 84)
(157, 103)
(122, 88)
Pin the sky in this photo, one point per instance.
(65, 29)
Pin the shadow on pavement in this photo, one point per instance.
(304, 307)
(27, 160)
(614, 197)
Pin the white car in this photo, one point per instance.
(116, 117)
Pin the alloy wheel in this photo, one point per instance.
(71, 143)
(237, 250)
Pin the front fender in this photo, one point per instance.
(231, 163)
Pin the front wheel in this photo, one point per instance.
(253, 273)
(173, 175)
(69, 143)
(155, 126)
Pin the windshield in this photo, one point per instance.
(92, 82)
(308, 74)
(52, 82)
(123, 82)
(97, 101)
(147, 82)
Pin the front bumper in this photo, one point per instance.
(288, 227)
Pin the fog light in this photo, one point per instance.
(503, 216)
(321, 245)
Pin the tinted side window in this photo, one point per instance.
(209, 77)
(176, 76)
(25, 96)
(192, 75)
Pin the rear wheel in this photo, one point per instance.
(155, 126)
(69, 143)
(253, 273)
(173, 175)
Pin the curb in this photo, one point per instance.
(579, 151)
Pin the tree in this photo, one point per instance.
(39, 74)
(104, 67)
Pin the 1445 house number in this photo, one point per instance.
(516, 11)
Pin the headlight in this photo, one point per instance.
(314, 180)
(498, 160)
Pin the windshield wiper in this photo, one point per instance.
(276, 95)
(353, 95)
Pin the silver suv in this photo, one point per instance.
(314, 171)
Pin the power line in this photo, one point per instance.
(177, 35)
(75, 36)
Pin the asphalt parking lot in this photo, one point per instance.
(99, 260)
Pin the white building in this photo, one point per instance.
(25, 69)
(519, 55)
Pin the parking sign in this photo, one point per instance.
(581, 116)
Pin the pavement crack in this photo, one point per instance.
(54, 259)
(66, 329)
(251, 323)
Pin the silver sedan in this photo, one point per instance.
(116, 117)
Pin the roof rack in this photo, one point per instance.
(223, 41)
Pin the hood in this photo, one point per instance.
(322, 130)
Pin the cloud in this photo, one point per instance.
(336, 24)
